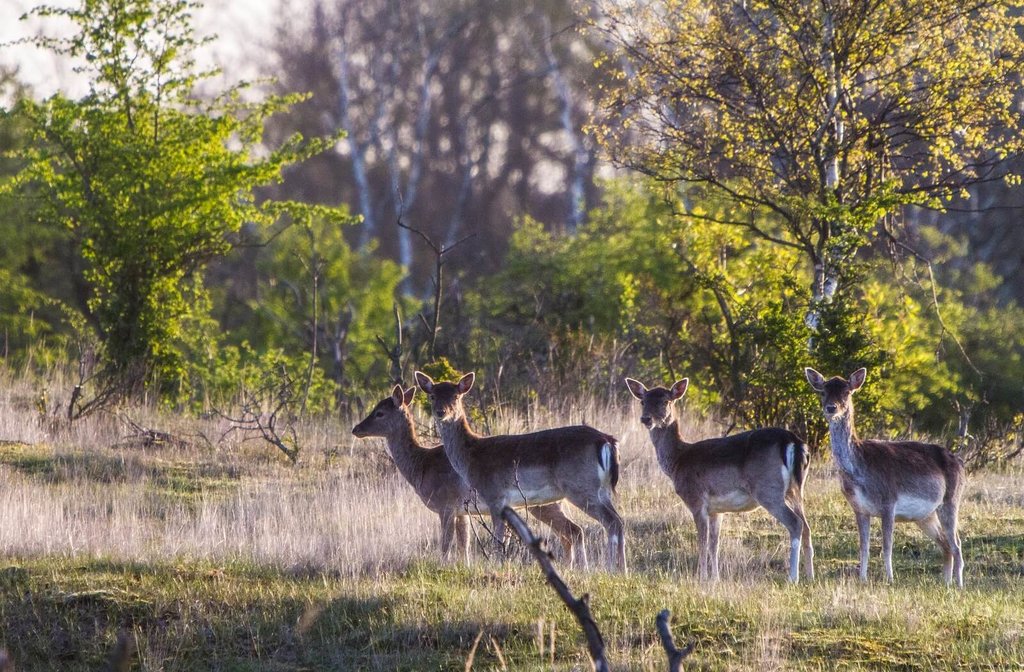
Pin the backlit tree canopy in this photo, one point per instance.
(816, 119)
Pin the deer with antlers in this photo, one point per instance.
(441, 489)
(763, 467)
(893, 480)
(576, 463)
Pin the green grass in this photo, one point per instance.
(63, 602)
(199, 616)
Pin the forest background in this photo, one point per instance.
(279, 244)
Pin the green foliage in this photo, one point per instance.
(148, 183)
(312, 282)
(240, 374)
(829, 116)
(689, 296)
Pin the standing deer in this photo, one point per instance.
(442, 490)
(576, 463)
(892, 480)
(763, 467)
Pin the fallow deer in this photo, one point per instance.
(763, 467)
(893, 480)
(443, 491)
(577, 463)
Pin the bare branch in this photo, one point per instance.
(675, 655)
(580, 608)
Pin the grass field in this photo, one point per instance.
(221, 556)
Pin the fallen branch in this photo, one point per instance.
(580, 608)
(145, 437)
(675, 655)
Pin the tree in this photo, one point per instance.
(149, 182)
(460, 116)
(819, 120)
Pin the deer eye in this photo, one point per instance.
(379, 414)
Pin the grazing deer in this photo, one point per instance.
(892, 480)
(576, 463)
(763, 467)
(442, 490)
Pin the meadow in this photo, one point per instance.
(220, 555)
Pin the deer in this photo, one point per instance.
(577, 463)
(436, 483)
(732, 474)
(897, 481)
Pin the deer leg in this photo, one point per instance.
(700, 519)
(805, 539)
(948, 515)
(462, 537)
(864, 532)
(569, 532)
(888, 523)
(447, 532)
(603, 511)
(714, 527)
(498, 530)
(794, 524)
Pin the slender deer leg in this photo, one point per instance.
(700, 519)
(462, 537)
(714, 527)
(933, 530)
(604, 512)
(447, 533)
(864, 532)
(805, 539)
(793, 523)
(948, 515)
(568, 532)
(498, 528)
(888, 523)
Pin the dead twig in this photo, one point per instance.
(580, 608)
(121, 657)
(145, 437)
(675, 655)
(281, 396)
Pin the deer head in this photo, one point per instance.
(445, 398)
(656, 403)
(836, 393)
(385, 417)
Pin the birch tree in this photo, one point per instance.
(461, 116)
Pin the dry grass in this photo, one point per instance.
(334, 561)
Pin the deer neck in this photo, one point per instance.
(843, 438)
(667, 443)
(406, 450)
(458, 443)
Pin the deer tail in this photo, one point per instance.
(608, 460)
(798, 456)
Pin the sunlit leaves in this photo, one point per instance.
(831, 114)
(150, 182)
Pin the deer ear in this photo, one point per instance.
(857, 378)
(408, 396)
(397, 395)
(424, 381)
(636, 388)
(679, 388)
(466, 382)
(816, 380)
